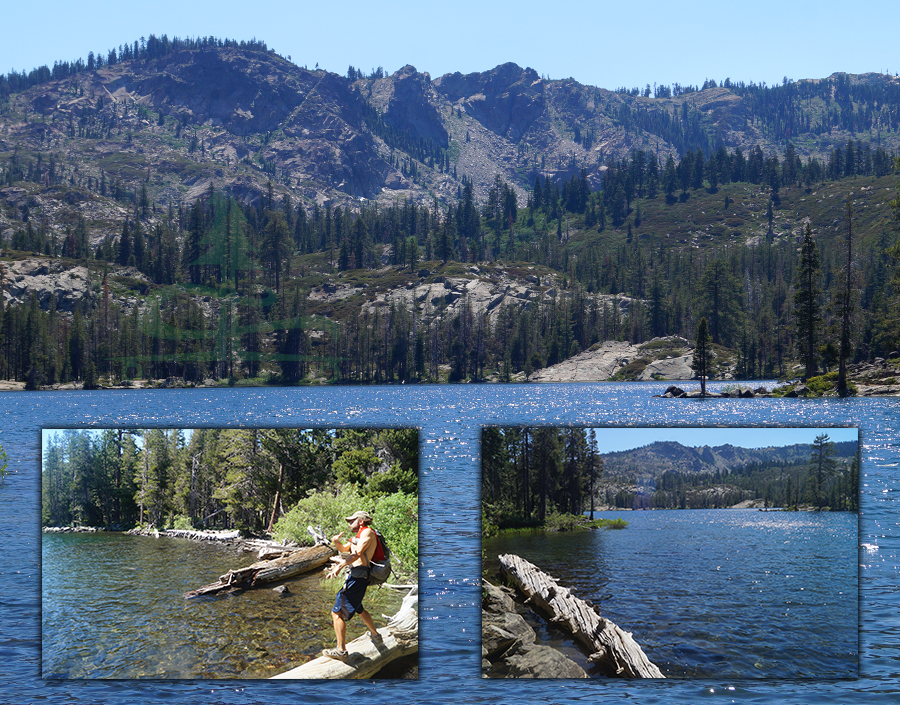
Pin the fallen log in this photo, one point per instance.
(202, 535)
(287, 563)
(399, 638)
(608, 644)
(296, 562)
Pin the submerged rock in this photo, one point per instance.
(540, 662)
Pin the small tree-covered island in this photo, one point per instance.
(182, 212)
(338, 507)
(541, 484)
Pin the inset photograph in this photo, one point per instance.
(670, 553)
(229, 553)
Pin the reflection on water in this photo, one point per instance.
(113, 607)
(717, 593)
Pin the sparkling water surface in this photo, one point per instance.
(450, 419)
(712, 593)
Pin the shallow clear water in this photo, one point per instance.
(717, 593)
(450, 418)
(126, 593)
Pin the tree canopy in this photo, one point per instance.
(229, 478)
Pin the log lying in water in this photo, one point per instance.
(298, 561)
(608, 643)
(400, 638)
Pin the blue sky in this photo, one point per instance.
(615, 439)
(607, 44)
(56, 433)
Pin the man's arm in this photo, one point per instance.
(365, 548)
(342, 547)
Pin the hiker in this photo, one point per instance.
(363, 548)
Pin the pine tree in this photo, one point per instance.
(806, 302)
(275, 246)
(823, 466)
(700, 363)
(846, 309)
(721, 302)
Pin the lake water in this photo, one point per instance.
(127, 594)
(713, 593)
(450, 419)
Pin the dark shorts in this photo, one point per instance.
(349, 598)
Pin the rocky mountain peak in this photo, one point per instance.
(506, 100)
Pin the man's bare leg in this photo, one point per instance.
(368, 621)
(340, 630)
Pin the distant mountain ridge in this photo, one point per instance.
(381, 228)
(669, 475)
(651, 461)
(243, 116)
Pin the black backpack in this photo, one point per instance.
(379, 571)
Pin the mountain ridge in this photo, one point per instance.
(313, 132)
(663, 456)
(667, 474)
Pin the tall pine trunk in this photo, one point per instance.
(842, 386)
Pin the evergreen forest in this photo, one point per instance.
(277, 481)
(229, 286)
(530, 474)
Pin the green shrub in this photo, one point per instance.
(321, 508)
(488, 528)
(180, 522)
(785, 389)
(632, 370)
(560, 521)
(354, 466)
(394, 479)
(397, 517)
(822, 383)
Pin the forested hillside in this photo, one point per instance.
(529, 474)
(669, 475)
(227, 478)
(204, 210)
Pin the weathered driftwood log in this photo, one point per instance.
(298, 561)
(608, 643)
(400, 638)
(202, 535)
(281, 564)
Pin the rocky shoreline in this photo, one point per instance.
(508, 648)
(661, 359)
